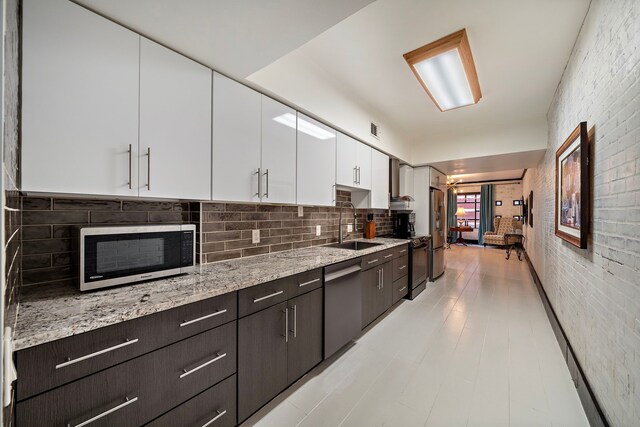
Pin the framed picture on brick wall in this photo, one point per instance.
(572, 188)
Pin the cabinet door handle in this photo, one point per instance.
(220, 414)
(259, 173)
(266, 194)
(355, 175)
(130, 153)
(267, 296)
(372, 261)
(403, 267)
(402, 289)
(295, 321)
(388, 256)
(286, 324)
(148, 168)
(197, 368)
(382, 277)
(359, 182)
(404, 250)
(188, 322)
(309, 282)
(127, 402)
(379, 279)
(97, 353)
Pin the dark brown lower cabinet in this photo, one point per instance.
(135, 392)
(304, 350)
(262, 358)
(276, 346)
(400, 289)
(215, 407)
(377, 292)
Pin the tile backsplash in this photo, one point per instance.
(224, 229)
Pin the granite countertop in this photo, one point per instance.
(49, 313)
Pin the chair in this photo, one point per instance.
(501, 226)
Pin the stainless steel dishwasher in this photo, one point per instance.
(342, 304)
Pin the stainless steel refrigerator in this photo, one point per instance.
(437, 224)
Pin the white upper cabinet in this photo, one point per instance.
(175, 125)
(79, 101)
(316, 163)
(353, 166)
(379, 180)
(363, 163)
(236, 141)
(278, 152)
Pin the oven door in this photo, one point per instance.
(119, 255)
(420, 265)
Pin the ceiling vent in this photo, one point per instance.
(375, 130)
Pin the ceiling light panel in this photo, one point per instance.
(446, 71)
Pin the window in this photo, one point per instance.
(471, 204)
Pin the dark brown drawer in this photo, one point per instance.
(400, 267)
(400, 251)
(136, 391)
(49, 365)
(262, 296)
(376, 258)
(215, 407)
(305, 282)
(118, 396)
(400, 289)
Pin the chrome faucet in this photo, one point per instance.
(355, 221)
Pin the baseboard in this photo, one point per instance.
(587, 398)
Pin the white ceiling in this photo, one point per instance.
(235, 37)
(500, 165)
(520, 48)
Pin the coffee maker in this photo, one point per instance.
(404, 226)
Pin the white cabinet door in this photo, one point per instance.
(278, 152)
(363, 163)
(175, 125)
(316, 163)
(379, 180)
(346, 170)
(79, 101)
(236, 141)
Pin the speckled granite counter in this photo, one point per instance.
(54, 312)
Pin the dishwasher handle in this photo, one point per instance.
(341, 273)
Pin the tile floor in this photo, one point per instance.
(474, 349)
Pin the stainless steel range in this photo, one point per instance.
(419, 265)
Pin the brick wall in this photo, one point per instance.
(596, 292)
(226, 227)
(507, 193)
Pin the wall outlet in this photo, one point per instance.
(300, 211)
(318, 230)
(255, 236)
(349, 228)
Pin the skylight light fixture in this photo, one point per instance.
(446, 71)
(289, 119)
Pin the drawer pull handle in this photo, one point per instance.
(215, 418)
(107, 412)
(372, 261)
(388, 256)
(197, 368)
(97, 353)
(404, 250)
(309, 282)
(268, 296)
(188, 322)
(403, 267)
(402, 289)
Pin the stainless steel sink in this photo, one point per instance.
(354, 245)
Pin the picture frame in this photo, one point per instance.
(517, 202)
(572, 188)
(498, 202)
(530, 219)
(525, 212)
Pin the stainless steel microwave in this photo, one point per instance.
(116, 255)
